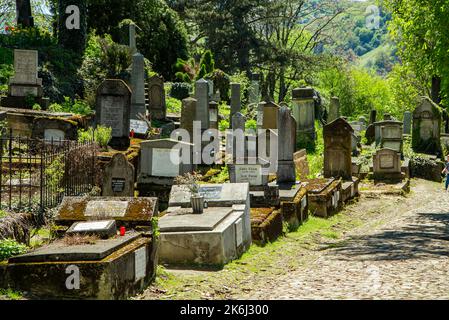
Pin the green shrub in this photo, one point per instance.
(55, 107)
(101, 135)
(180, 90)
(251, 124)
(173, 105)
(36, 107)
(10, 248)
(223, 125)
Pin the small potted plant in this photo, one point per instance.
(191, 180)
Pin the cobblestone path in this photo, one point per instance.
(406, 256)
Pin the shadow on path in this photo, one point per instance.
(424, 236)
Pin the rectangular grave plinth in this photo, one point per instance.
(103, 229)
(350, 189)
(295, 211)
(127, 211)
(215, 237)
(119, 273)
(324, 196)
(59, 251)
(266, 225)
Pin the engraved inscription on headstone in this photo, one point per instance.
(118, 184)
(53, 134)
(386, 162)
(211, 192)
(139, 126)
(112, 113)
(249, 173)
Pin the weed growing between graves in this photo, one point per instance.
(10, 248)
(316, 158)
(11, 294)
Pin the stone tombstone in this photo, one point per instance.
(427, 127)
(238, 121)
(202, 104)
(113, 105)
(164, 158)
(138, 86)
(254, 89)
(387, 165)
(118, 177)
(132, 37)
(236, 103)
(337, 149)
(303, 106)
(213, 115)
(390, 135)
(270, 115)
(286, 146)
(334, 109)
(373, 116)
(407, 122)
(156, 96)
(25, 81)
(54, 129)
(211, 89)
(251, 170)
(301, 163)
(188, 110)
(363, 121)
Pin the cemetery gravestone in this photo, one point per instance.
(25, 82)
(213, 114)
(188, 111)
(286, 146)
(54, 129)
(236, 104)
(156, 93)
(164, 159)
(270, 115)
(372, 116)
(427, 128)
(202, 104)
(334, 109)
(113, 110)
(138, 86)
(387, 165)
(303, 105)
(118, 177)
(337, 149)
(407, 122)
(390, 135)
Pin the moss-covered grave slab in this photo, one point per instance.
(324, 196)
(119, 273)
(266, 224)
(295, 210)
(127, 211)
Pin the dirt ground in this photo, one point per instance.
(380, 247)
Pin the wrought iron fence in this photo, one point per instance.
(36, 174)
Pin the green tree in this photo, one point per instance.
(421, 29)
(161, 37)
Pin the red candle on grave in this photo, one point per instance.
(122, 231)
(131, 134)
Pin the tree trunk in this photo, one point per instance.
(436, 88)
(24, 15)
(282, 87)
